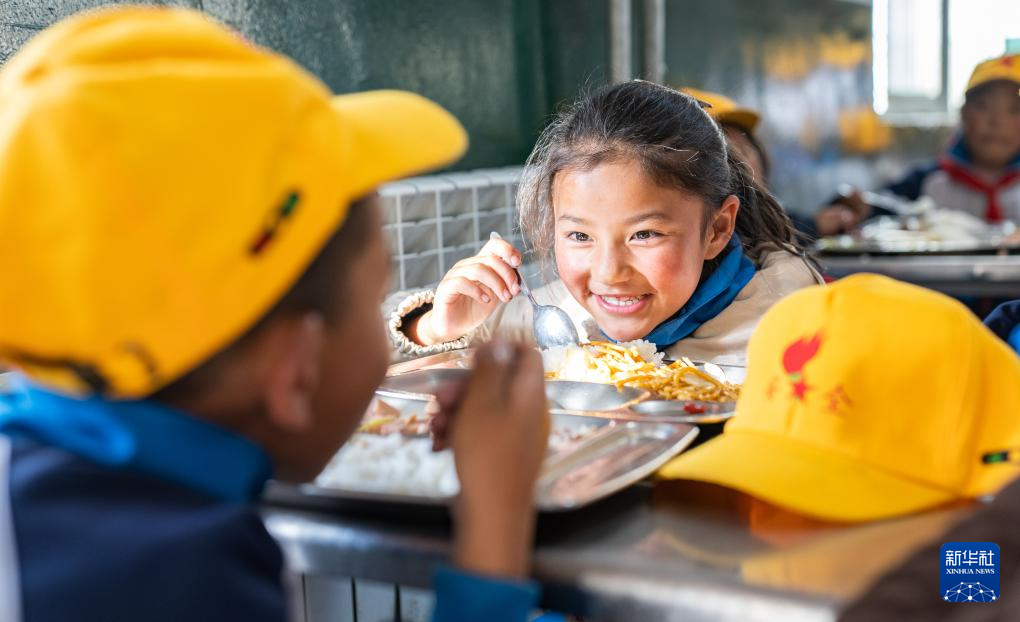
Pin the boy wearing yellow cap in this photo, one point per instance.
(980, 173)
(195, 262)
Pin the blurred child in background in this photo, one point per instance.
(740, 126)
(980, 172)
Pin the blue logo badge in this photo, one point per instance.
(970, 572)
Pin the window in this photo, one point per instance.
(924, 51)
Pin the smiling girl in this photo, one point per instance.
(655, 231)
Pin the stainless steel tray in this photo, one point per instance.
(454, 359)
(848, 245)
(424, 374)
(687, 411)
(562, 395)
(606, 458)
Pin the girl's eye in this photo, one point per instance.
(645, 235)
(577, 236)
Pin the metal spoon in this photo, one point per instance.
(551, 325)
(897, 206)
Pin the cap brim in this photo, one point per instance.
(745, 119)
(803, 479)
(395, 134)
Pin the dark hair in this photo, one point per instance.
(321, 288)
(677, 143)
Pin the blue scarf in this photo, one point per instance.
(138, 435)
(709, 299)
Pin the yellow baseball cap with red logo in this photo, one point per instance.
(1005, 67)
(866, 399)
(163, 182)
(725, 110)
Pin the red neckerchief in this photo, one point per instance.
(960, 174)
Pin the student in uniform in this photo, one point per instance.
(656, 230)
(194, 263)
(980, 172)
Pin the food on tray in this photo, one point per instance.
(923, 226)
(386, 456)
(636, 364)
(933, 224)
(382, 418)
(391, 463)
(562, 439)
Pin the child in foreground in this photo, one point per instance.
(656, 232)
(196, 260)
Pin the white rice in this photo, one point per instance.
(395, 464)
(391, 464)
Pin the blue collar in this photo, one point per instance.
(141, 436)
(959, 153)
(709, 299)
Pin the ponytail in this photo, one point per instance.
(762, 223)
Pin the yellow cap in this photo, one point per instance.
(866, 399)
(725, 110)
(994, 69)
(163, 182)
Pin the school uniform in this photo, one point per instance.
(952, 183)
(1005, 322)
(128, 511)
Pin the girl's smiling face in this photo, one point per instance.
(630, 251)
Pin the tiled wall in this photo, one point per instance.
(434, 222)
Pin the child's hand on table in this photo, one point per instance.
(844, 215)
(469, 293)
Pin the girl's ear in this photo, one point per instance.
(720, 229)
(292, 376)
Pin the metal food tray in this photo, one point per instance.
(607, 458)
(848, 245)
(588, 398)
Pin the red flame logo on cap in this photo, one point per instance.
(795, 357)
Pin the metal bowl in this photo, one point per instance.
(562, 394)
(734, 373)
(426, 380)
(685, 411)
(454, 359)
(590, 396)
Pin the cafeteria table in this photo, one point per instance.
(673, 551)
(994, 276)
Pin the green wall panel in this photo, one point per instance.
(482, 60)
